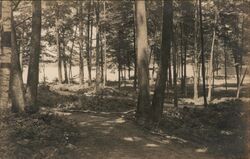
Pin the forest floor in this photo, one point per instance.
(74, 122)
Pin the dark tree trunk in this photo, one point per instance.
(33, 73)
(88, 43)
(66, 80)
(135, 57)
(70, 57)
(98, 71)
(185, 68)
(202, 57)
(81, 65)
(59, 57)
(104, 48)
(175, 75)
(159, 93)
(225, 64)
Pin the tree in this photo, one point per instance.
(16, 81)
(33, 72)
(159, 93)
(81, 65)
(59, 56)
(202, 56)
(98, 70)
(143, 105)
(196, 56)
(88, 42)
(211, 70)
(5, 55)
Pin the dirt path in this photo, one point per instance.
(113, 137)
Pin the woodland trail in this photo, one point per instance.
(113, 137)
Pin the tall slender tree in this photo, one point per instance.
(159, 94)
(59, 56)
(81, 64)
(16, 80)
(88, 46)
(143, 105)
(33, 72)
(98, 70)
(202, 56)
(5, 54)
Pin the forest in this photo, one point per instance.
(130, 79)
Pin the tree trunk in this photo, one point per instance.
(16, 80)
(70, 56)
(88, 43)
(196, 57)
(225, 64)
(181, 60)
(33, 73)
(175, 75)
(185, 68)
(135, 57)
(59, 60)
(241, 82)
(203, 57)
(81, 65)
(66, 80)
(98, 71)
(170, 72)
(104, 48)
(5, 55)
(159, 93)
(211, 70)
(143, 105)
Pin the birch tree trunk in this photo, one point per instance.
(211, 70)
(5, 55)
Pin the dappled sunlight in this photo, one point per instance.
(132, 139)
(117, 121)
(152, 145)
(224, 132)
(85, 123)
(201, 150)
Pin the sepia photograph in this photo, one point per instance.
(124, 79)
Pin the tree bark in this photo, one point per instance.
(33, 72)
(59, 58)
(16, 80)
(225, 64)
(5, 55)
(143, 105)
(202, 57)
(66, 80)
(196, 57)
(104, 48)
(211, 70)
(135, 57)
(88, 43)
(159, 93)
(175, 74)
(98, 71)
(70, 56)
(81, 65)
